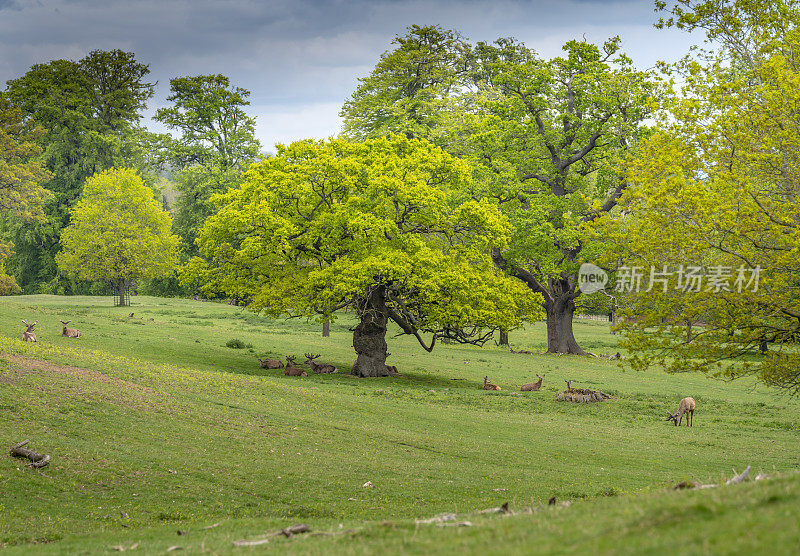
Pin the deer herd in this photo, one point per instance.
(686, 406)
(291, 369)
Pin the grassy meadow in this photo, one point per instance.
(155, 427)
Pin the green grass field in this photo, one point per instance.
(154, 426)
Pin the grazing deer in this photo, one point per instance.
(291, 369)
(488, 385)
(270, 363)
(319, 368)
(69, 332)
(533, 386)
(28, 335)
(686, 406)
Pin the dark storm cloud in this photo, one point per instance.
(301, 59)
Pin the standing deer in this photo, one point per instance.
(69, 332)
(686, 406)
(319, 368)
(28, 335)
(291, 369)
(488, 385)
(533, 386)
(270, 363)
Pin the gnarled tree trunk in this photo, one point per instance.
(369, 337)
(560, 338)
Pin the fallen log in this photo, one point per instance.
(738, 478)
(287, 532)
(37, 460)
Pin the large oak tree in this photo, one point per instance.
(385, 228)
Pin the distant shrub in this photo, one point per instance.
(236, 343)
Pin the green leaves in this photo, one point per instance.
(216, 145)
(717, 187)
(117, 231)
(323, 221)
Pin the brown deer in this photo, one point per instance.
(488, 385)
(291, 369)
(270, 363)
(686, 406)
(533, 386)
(69, 332)
(28, 335)
(319, 368)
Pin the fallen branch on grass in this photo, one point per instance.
(499, 510)
(286, 532)
(738, 478)
(37, 460)
(735, 480)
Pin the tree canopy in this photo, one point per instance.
(715, 192)
(89, 110)
(216, 144)
(21, 174)
(118, 232)
(542, 135)
(385, 227)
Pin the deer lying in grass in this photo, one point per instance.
(533, 386)
(319, 368)
(28, 335)
(488, 385)
(69, 332)
(291, 369)
(686, 406)
(270, 363)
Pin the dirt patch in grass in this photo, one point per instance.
(124, 391)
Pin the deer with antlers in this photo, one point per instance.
(686, 406)
(69, 332)
(28, 335)
(291, 369)
(319, 368)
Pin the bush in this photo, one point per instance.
(235, 343)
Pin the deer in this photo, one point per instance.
(69, 332)
(291, 369)
(270, 363)
(319, 368)
(533, 386)
(28, 335)
(686, 406)
(488, 385)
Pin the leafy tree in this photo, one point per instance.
(217, 143)
(407, 91)
(384, 227)
(118, 233)
(717, 187)
(21, 174)
(89, 110)
(543, 136)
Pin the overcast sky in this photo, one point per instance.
(301, 58)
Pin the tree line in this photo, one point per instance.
(469, 184)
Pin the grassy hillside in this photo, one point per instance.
(155, 426)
